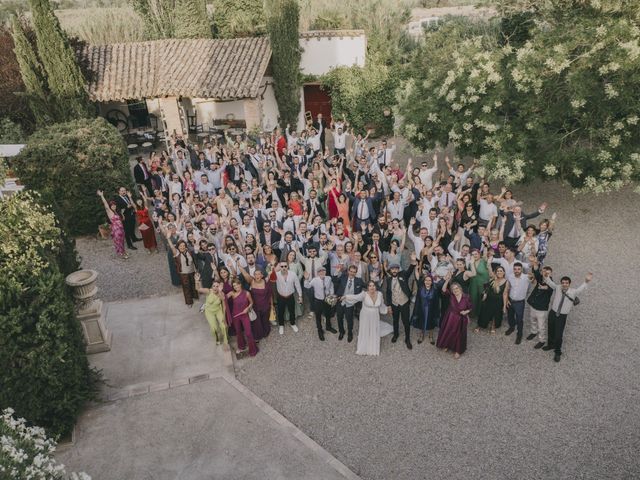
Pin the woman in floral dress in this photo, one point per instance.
(117, 229)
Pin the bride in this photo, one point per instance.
(371, 328)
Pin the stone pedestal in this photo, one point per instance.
(89, 311)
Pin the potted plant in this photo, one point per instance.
(104, 230)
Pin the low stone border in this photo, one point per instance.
(134, 391)
(336, 464)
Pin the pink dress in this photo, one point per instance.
(117, 233)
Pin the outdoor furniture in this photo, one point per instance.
(147, 146)
(133, 148)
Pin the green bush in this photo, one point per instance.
(362, 95)
(44, 372)
(68, 162)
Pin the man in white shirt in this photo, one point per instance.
(395, 208)
(205, 187)
(287, 284)
(321, 286)
(426, 173)
(488, 212)
(447, 197)
(518, 287)
(419, 241)
(385, 154)
(563, 300)
(233, 260)
(339, 142)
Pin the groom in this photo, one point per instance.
(398, 295)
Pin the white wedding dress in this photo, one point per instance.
(371, 327)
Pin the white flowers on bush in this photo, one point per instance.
(27, 454)
(550, 169)
(578, 103)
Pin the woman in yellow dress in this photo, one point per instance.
(215, 311)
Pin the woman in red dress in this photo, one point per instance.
(145, 225)
(240, 303)
(453, 328)
(333, 192)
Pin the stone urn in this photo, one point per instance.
(89, 310)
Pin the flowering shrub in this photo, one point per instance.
(560, 101)
(44, 372)
(26, 452)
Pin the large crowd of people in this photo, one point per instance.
(268, 228)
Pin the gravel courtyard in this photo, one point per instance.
(502, 411)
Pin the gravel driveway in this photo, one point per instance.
(142, 275)
(502, 411)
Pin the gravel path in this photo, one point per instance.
(142, 275)
(502, 411)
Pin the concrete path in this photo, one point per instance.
(174, 410)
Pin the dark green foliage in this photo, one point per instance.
(68, 162)
(363, 96)
(33, 75)
(44, 372)
(64, 79)
(282, 24)
(238, 18)
(10, 132)
(12, 106)
(191, 20)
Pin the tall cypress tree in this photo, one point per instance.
(191, 19)
(32, 75)
(158, 16)
(66, 83)
(283, 24)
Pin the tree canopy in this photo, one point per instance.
(549, 91)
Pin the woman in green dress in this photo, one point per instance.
(215, 312)
(478, 282)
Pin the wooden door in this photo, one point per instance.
(317, 101)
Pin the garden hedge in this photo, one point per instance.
(68, 162)
(44, 372)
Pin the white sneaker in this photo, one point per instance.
(294, 328)
(280, 330)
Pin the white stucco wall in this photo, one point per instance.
(321, 54)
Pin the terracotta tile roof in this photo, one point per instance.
(202, 68)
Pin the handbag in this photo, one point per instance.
(575, 300)
(252, 314)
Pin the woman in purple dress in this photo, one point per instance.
(261, 295)
(240, 303)
(117, 229)
(453, 329)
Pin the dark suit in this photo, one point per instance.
(203, 262)
(355, 213)
(343, 310)
(195, 164)
(400, 310)
(127, 210)
(510, 222)
(275, 237)
(143, 177)
(318, 205)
